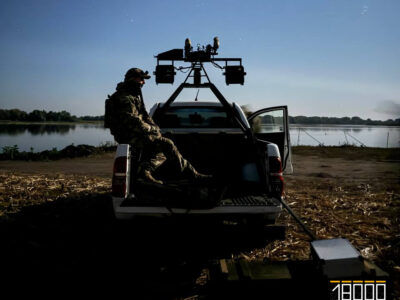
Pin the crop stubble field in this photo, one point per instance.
(47, 208)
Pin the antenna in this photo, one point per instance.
(198, 90)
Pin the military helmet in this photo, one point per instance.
(136, 73)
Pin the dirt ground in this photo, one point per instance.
(55, 216)
(98, 166)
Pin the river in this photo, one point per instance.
(39, 137)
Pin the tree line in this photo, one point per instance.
(343, 121)
(43, 116)
(64, 116)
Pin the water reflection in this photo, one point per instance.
(40, 129)
(42, 137)
(35, 129)
(358, 135)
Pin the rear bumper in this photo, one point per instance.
(270, 210)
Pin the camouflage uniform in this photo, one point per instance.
(129, 122)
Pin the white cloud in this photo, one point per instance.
(364, 10)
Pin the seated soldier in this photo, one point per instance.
(129, 123)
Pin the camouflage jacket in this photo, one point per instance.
(126, 116)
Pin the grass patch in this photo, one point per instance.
(349, 152)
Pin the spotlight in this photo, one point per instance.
(165, 74)
(216, 44)
(234, 74)
(188, 47)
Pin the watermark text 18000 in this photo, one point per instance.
(358, 290)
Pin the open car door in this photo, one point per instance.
(272, 125)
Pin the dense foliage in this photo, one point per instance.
(64, 116)
(43, 116)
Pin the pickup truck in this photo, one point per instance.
(207, 135)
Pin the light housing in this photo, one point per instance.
(276, 175)
(188, 47)
(234, 74)
(216, 43)
(119, 186)
(165, 74)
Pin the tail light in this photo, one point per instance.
(276, 175)
(119, 177)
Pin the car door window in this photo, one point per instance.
(271, 121)
(271, 125)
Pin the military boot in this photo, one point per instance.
(146, 177)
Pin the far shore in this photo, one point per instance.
(6, 122)
(293, 125)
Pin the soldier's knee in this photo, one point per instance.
(171, 146)
(165, 143)
(165, 140)
(166, 146)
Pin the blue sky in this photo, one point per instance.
(327, 58)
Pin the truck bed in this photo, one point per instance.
(231, 160)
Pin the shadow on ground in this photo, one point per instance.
(75, 240)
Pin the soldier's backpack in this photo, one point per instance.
(108, 112)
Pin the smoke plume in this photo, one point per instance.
(388, 107)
